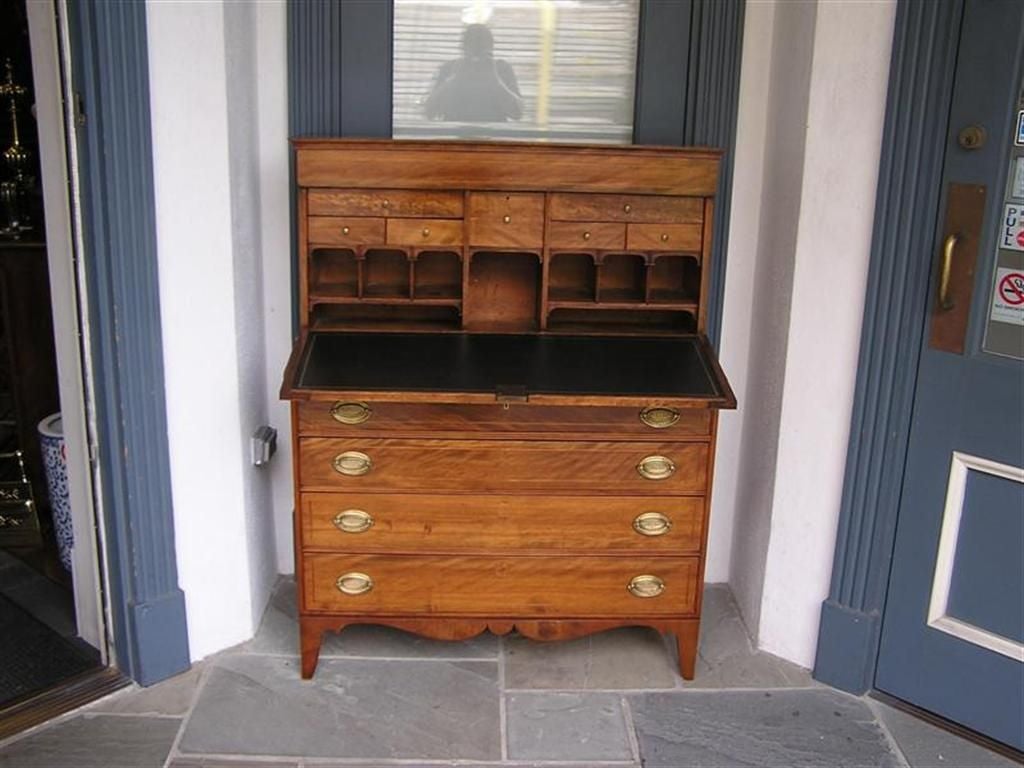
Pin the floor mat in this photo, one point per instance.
(32, 656)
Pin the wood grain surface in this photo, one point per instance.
(465, 466)
(408, 523)
(385, 202)
(626, 208)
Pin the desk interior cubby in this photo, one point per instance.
(503, 293)
(386, 274)
(572, 277)
(673, 279)
(437, 275)
(621, 278)
(334, 273)
(426, 317)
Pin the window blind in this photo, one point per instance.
(574, 62)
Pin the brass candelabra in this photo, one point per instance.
(16, 157)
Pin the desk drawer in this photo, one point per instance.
(664, 237)
(637, 208)
(506, 220)
(369, 522)
(336, 230)
(422, 232)
(512, 586)
(379, 465)
(384, 202)
(586, 235)
(343, 417)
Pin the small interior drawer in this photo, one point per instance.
(336, 230)
(637, 208)
(506, 220)
(664, 237)
(414, 523)
(424, 232)
(586, 235)
(384, 202)
(500, 586)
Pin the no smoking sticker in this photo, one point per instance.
(1008, 301)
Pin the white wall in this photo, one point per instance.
(846, 109)
(205, 153)
(806, 243)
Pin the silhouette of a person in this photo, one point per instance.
(476, 88)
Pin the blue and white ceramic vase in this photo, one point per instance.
(51, 440)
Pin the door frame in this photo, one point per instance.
(925, 45)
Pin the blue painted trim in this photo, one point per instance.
(920, 83)
(111, 72)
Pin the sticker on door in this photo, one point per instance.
(1012, 236)
(1008, 301)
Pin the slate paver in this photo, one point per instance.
(566, 726)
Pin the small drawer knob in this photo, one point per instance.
(354, 583)
(426, 231)
(507, 219)
(652, 524)
(645, 585)
(664, 237)
(355, 521)
(659, 418)
(627, 208)
(655, 468)
(386, 203)
(345, 230)
(351, 413)
(586, 235)
(352, 463)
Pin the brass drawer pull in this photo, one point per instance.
(664, 237)
(646, 585)
(351, 413)
(652, 524)
(586, 235)
(659, 418)
(656, 467)
(356, 521)
(345, 230)
(355, 583)
(352, 463)
(507, 219)
(627, 208)
(426, 231)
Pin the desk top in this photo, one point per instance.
(540, 367)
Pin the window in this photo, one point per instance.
(557, 70)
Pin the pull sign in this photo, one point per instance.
(1018, 138)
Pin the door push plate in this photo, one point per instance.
(956, 257)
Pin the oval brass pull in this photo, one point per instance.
(646, 585)
(586, 235)
(426, 231)
(507, 219)
(627, 208)
(354, 583)
(664, 237)
(354, 521)
(945, 302)
(652, 524)
(350, 412)
(658, 417)
(656, 468)
(352, 463)
(345, 230)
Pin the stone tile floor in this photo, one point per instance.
(384, 698)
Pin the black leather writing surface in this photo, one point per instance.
(525, 364)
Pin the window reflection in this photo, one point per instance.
(560, 70)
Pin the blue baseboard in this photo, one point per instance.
(160, 639)
(847, 647)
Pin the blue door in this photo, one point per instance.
(953, 627)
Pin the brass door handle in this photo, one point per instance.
(659, 418)
(353, 521)
(948, 247)
(351, 413)
(645, 585)
(656, 468)
(352, 463)
(354, 583)
(652, 524)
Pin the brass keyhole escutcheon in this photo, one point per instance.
(972, 137)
